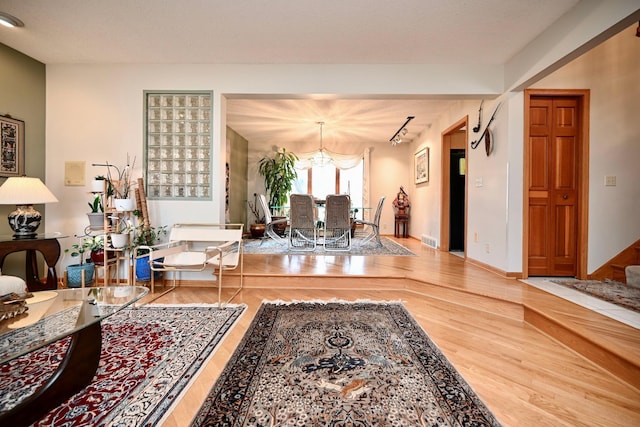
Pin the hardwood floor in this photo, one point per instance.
(532, 357)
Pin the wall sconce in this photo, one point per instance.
(397, 138)
(23, 192)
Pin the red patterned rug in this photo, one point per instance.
(149, 357)
(340, 364)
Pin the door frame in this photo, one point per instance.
(582, 241)
(445, 197)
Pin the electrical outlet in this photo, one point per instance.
(487, 248)
(475, 237)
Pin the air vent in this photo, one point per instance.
(429, 241)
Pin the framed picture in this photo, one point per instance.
(422, 165)
(11, 147)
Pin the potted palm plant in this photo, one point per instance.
(279, 173)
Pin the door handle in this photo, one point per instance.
(565, 197)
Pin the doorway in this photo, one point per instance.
(453, 216)
(555, 179)
(457, 181)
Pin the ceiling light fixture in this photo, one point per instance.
(321, 158)
(10, 20)
(396, 139)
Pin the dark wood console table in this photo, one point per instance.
(47, 245)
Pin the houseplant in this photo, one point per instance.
(84, 268)
(279, 173)
(96, 216)
(119, 185)
(258, 226)
(145, 236)
(120, 234)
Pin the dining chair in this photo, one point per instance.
(302, 226)
(270, 222)
(374, 232)
(337, 223)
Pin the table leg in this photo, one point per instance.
(75, 372)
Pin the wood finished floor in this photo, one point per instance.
(489, 327)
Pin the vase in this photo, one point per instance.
(123, 205)
(143, 270)
(96, 220)
(257, 230)
(97, 256)
(75, 272)
(97, 186)
(119, 240)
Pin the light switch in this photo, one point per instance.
(610, 180)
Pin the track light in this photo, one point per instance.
(395, 139)
(10, 20)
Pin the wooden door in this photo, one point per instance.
(554, 138)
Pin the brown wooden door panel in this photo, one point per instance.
(553, 182)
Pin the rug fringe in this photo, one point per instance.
(204, 305)
(332, 300)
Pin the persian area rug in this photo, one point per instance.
(149, 357)
(339, 364)
(610, 290)
(270, 246)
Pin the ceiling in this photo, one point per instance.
(287, 32)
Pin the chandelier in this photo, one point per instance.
(321, 158)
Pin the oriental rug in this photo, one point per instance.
(270, 246)
(150, 355)
(339, 364)
(611, 291)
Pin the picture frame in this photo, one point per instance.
(11, 147)
(421, 165)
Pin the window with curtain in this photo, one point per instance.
(333, 178)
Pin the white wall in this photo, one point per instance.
(611, 72)
(94, 114)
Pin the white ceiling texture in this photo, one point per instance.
(287, 32)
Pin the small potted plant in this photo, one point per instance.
(81, 273)
(98, 184)
(96, 216)
(120, 184)
(145, 236)
(120, 235)
(258, 226)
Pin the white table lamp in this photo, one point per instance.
(23, 192)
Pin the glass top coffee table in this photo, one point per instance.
(51, 316)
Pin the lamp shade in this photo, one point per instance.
(24, 192)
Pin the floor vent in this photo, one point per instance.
(429, 241)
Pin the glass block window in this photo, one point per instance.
(178, 139)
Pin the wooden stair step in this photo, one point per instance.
(618, 273)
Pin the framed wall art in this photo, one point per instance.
(11, 147)
(421, 165)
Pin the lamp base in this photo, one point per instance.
(24, 221)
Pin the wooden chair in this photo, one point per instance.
(374, 232)
(270, 222)
(337, 223)
(196, 247)
(302, 229)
